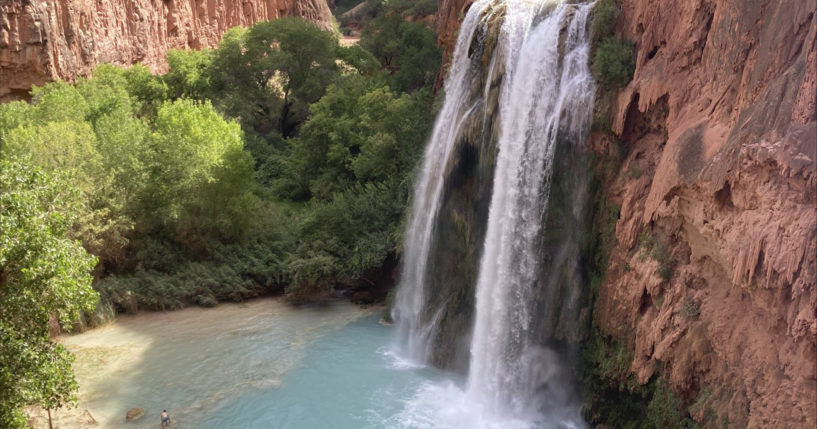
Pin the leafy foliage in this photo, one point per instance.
(613, 58)
(304, 190)
(356, 134)
(605, 15)
(271, 72)
(189, 75)
(200, 178)
(42, 274)
(406, 50)
(614, 62)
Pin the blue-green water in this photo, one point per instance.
(267, 365)
(347, 379)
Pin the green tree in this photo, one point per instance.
(406, 50)
(200, 178)
(274, 71)
(13, 115)
(148, 90)
(58, 101)
(357, 133)
(43, 275)
(189, 75)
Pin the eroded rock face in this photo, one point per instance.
(450, 14)
(45, 40)
(720, 124)
(719, 128)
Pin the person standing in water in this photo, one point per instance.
(165, 419)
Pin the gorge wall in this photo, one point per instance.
(46, 40)
(712, 277)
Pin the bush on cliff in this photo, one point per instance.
(605, 15)
(614, 62)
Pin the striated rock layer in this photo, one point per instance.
(45, 40)
(712, 280)
(720, 121)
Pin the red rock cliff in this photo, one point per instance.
(720, 130)
(720, 119)
(45, 40)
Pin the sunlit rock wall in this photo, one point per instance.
(45, 40)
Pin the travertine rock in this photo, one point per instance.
(720, 122)
(45, 40)
(450, 14)
(720, 127)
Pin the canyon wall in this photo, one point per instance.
(712, 276)
(714, 269)
(46, 40)
(449, 15)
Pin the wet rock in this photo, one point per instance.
(134, 414)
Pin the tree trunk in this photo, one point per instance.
(285, 131)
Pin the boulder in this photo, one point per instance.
(134, 414)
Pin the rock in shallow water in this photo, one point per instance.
(134, 414)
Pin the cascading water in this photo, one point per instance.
(410, 304)
(549, 101)
(545, 102)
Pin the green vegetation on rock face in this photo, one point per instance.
(605, 15)
(611, 394)
(44, 277)
(613, 62)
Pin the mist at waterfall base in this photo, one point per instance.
(539, 66)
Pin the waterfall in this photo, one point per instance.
(549, 100)
(544, 102)
(410, 301)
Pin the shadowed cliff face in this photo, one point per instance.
(46, 40)
(449, 15)
(712, 279)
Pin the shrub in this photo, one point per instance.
(663, 410)
(604, 19)
(652, 247)
(691, 309)
(614, 62)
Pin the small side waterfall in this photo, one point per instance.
(520, 78)
(410, 308)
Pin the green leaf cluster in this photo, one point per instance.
(182, 169)
(270, 73)
(407, 51)
(44, 276)
(613, 61)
